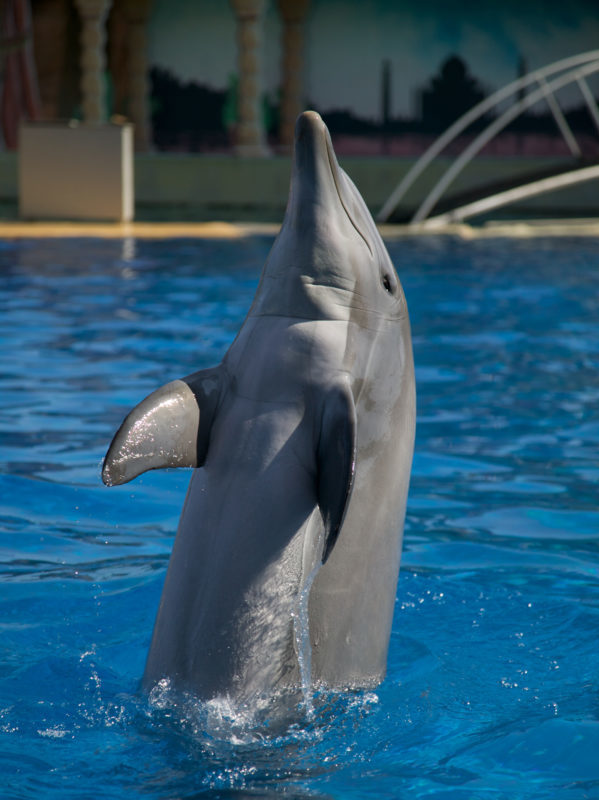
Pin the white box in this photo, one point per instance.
(76, 171)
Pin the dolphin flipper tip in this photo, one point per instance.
(170, 428)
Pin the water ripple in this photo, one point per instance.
(492, 677)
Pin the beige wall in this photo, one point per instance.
(218, 187)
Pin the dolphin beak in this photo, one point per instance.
(310, 142)
(319, 186)
(313, 180)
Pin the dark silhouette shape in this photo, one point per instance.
(386, 94)
(450, 94)
(186, 116)
(345, 121)
(522, 72)
(192, 117)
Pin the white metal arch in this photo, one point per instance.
(500, 199)
(573, 69)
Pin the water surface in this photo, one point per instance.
(493, 681)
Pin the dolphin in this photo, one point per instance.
(302, 439)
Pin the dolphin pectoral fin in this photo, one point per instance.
(170, 428)
(336, 462)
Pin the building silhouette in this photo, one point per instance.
(450, 93)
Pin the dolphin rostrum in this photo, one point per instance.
(302, 438)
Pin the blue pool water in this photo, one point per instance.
(493, 681)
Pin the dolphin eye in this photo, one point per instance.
(388, 286)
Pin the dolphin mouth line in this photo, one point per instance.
(334, 167)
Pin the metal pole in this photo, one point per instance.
(562, 124)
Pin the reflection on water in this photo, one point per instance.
(492, 680)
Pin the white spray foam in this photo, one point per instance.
(301, 630)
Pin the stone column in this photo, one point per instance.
(93, 15)
(249, 131)
(293, 14)
(137, 13)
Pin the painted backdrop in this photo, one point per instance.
(405, 69)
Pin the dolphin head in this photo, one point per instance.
(328, 259)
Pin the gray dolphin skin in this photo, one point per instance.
(303, 439)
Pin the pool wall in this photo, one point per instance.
(207, 187)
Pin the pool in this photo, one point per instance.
(493, 681)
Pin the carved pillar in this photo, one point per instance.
(249, 132)
(137, 13)
(293, 14)
(93, 15)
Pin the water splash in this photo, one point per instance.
(301, 630)
(222, 723)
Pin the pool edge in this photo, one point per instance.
(231, 230)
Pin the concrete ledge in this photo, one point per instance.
(228, 230)
(136, 230)
(202, 188)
